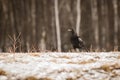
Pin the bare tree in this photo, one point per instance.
(57, 25)
(95, 21)
(104, 24)
(33, 18)
(115, 6)
(42, 22)
(3, 23)
(78, 16)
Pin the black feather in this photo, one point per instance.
(76, 41)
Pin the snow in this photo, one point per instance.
(60, 66)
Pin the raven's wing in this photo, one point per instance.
(82, 44)
(81, 41)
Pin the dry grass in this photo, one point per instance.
(69, 79)
(15, 43)
(53, 60)
(2, 72)
(34, 54)
(66, 57)
(109, 68)
(34, 78)
(31, 78)
(118, 57)
(106, 68)
(45, 79)
(88, 61)
(83, 62)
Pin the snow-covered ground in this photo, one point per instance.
(60, 66)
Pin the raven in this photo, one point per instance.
(76, 41)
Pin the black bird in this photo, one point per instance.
(76, 41)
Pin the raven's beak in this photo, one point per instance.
(69, 30)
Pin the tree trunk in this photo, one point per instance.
(57, 25)
(115, 6)
(95, 22)
(78, 16)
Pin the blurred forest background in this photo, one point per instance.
(42, 24)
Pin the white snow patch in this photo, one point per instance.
(60, 66)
